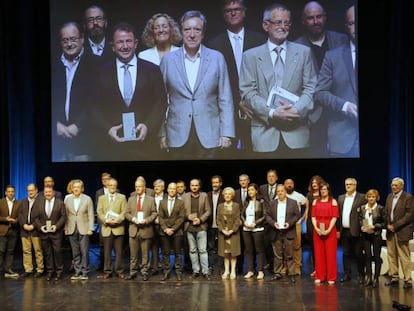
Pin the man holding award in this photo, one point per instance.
(49, 219)
(284, 71)
(282, 215)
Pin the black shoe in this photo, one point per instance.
(179, 276)
(165, 276)
(58, 277)
(391, 282)
(375, 282)
(206, 276)
(368, 283)
(276, 277)
(49, 277)
(145, 277)
(27, 274)
(130, 277)
(361, 280)
(399, 306)
(345, 278)
(38, 275)
(407, 285)
(195, 274)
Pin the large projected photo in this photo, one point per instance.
(203, 80)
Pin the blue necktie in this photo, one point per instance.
(127, 85)
(237, 52)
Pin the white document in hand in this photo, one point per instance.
(128, 123)
(278, 93)
(111, 214)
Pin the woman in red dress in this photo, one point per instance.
(324, 215)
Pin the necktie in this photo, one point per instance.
(243, 195)
(127, 85)
(237, 52)
(272, 192)
(139, 204)
(48, 208)
(30, 211)
(170, 206)
(278, 66)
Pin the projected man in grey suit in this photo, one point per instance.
(200, 116)
(337, 92)
(280, 130)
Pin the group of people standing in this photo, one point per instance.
(183, 99)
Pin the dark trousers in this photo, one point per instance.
(214, 260)
(7, 246)
(172, 242)
(52, 252)
(254, 245)
(352, 249)
(372, 248)
(113, 242)
(155, 248)
(80, 252)
(137, 244)
(283, 251)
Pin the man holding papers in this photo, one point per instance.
(284, 69)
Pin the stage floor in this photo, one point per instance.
(195, 294)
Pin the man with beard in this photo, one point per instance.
(95, 25)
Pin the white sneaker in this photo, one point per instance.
(225, 276)
(260, 275)
(249, 275)
(84, 277)
(10, 274)
(232, 276)
(76, 276)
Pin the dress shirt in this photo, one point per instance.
(97, 49)
(70, 69)
(10, 205)
(170, 205)
(31, 201)
(232, 38)
(133, 70)
(76, 202)
(191, 67)
(395, 198)
(346, 211)
(49, 204)
(281, 212)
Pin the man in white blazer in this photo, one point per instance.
(200, 114)
(281, 130)
(79, 226)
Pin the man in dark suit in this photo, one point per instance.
(49, 220)
(95, 24)
(232, 44)
(279, 129)
(349, 229)
(29, 234)
(200, 116)
(9, 231)
(71, 89)
(130, 93)
(141, 213)
(48, 181)
(282, 215)
(319, 40)
(171, 217)
(337, 92)
(215, 198)
(399, 214)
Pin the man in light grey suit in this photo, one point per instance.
(79, 226)
(337, 92)
(141, 213)
(281, 130)
(200, 114)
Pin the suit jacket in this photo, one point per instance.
(174, 221)
(336, 85)
(57, 216)
(107, 54)
(148, 103)
(83, 219)
(264, 192)
(4, 213)
(378, 218)
(354, 225)
(222, 44)
(118, 206)
(209, 106)
(238, 198)
(210, 199)
(292, 216)
(256, 81)
(403, 216)
(204, 209)
(145, 231)
(23, 217)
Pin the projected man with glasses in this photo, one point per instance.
(130, 102)
(95, 25)
(72, 72)
(277, 81)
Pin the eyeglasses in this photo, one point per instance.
(70, 40)
(279, 23)
(98, 19)
(234, 10)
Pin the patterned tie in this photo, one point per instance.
(279, 67)
(139, 204)
(237, 52)
(127, 85)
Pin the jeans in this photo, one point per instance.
(197, 243)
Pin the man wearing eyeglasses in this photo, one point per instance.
(280, 128)
(349, 229)
(232, 44)
(71, 76)
(95, 25)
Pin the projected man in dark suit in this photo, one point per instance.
(337, 92)
(95, 25)
(231, 44)
(279, 130)
(200, 114)
(71, 81)
(131, 87)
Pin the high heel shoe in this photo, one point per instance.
(225, 275)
